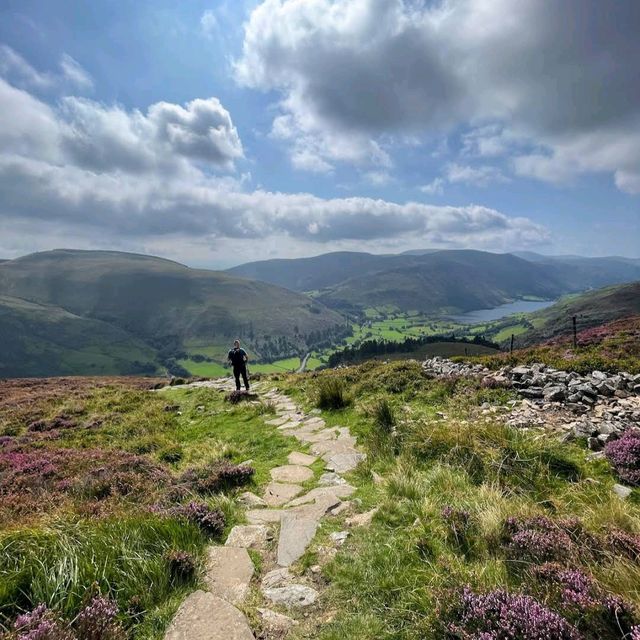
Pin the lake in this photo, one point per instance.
(504, 310)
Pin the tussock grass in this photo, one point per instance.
(332, 394)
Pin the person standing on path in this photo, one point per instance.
(238, 358)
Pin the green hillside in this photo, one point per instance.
(433, 281)
(170, 307)
(40, 340)
(446, 282)
(591, 309)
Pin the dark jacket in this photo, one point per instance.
(237, 357)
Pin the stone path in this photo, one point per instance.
(213, 614)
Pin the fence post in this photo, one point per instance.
(575, 331)
(511, 347)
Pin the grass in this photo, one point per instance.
(57, 542)
(398, 578)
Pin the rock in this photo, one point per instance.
(339, 537)
(228, 573)
(621, 491)
(276, 578)
(361, 519)
(342, 462)
(291, 473)
(276, 494)
(304, 459)
(296, 533)
(594, 444)
(331, 479)
(275, 624)
(249, 499)
(343, 507)
(249, 536)
(555, 394)
(293, 595)
(204, 616)
(319, 493)
(264, 516)
(533, 392)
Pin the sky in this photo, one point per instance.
(222, 132)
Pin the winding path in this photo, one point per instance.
(284, 512)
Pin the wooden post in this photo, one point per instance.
(575, 331)
(511, 347)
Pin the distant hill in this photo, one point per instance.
(165, 304)
(591, 309)
(44, 340)
(439, 281)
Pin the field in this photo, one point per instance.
(110, 488)
(97, 476)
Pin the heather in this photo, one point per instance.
(111, 490)
(624, 455)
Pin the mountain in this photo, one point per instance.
(436, 281)
(166, 305)
(447, 281)
(318, 272)
(44, 340)
(591, 309)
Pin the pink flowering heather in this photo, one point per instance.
(217, 476)
(536, 540)
(499, 615)
(625, 544)
(624, 455)
(212, 521)
(40, 624)
(98, 621)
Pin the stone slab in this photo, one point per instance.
(204, 616)
(342, 462)
(291, 473)
(319, 493)
(228, 573)
(295, 457)
(276, 494)
(249, 536)
(264, 516)
(293, 595)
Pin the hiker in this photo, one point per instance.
(238, 358)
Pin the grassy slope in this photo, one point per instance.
(398, 578)
(163, 302)
(447, 281)
(52, 548)
(37, 340)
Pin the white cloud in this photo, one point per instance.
(104, 175)
(550, 76)
(435, 187)
(209, 23)
(14, 67)
(480, 176)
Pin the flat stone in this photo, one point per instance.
(318, 436)
(342, 462)
(276, 422)
(275, 624)
(342, 508)
(291, 473)
(295, 457)
(249, 499)
(204, 616)
(339, 445)
(339, 537)
(621, 491)
(319, 493)
(228, 573)
(296, 532)
(264, 516)
(289, 424)
(277, 578)
(361, 519)
(276, 494)
(249, 536)
(331, 479)
(293, 595)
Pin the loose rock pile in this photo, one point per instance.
(599, 406)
